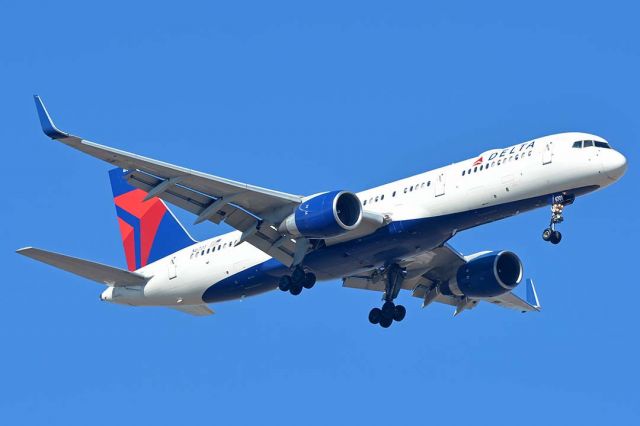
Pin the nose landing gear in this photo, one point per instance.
(298, 280)
(551, 235)
(390, 311)
(558, 203)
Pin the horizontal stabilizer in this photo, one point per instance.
(196, 310)
(97, 272)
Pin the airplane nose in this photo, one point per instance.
(615, 165)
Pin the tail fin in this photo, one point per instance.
(148, 228)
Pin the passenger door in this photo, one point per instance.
(440, 183)
(547, 154)
(173, 268)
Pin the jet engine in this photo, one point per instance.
(488, 275)
(324, 215)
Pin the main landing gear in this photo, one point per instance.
(298, 280)
(557, 207)
(390, 311)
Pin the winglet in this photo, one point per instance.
(532, 295)
(48, 127)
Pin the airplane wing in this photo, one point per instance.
(510, 300)
(439, 265)
(251, 209)
(103, 274)
(423, 271)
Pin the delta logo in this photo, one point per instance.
(506, 152)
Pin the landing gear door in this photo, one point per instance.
(547, 154)
(440, 182)
(173, 268)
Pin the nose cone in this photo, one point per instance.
(615, 164)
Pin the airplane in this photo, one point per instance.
(389, 238)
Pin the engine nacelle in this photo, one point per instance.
(487, 275)
(324, 215)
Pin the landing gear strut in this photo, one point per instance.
(298, 280)
(557, 207)
(390, 311)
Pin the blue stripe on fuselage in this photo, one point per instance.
(396, 240)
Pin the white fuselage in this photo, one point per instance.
(483, 184)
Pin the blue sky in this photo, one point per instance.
(304, 98)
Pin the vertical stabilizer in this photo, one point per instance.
(149, 230)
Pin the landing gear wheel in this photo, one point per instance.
(399, 313)
(375, 315)
(556, 237)
(389, 310)
(295, 289)
(284, 283)
(546, 234)
(309, 280)
(298, 275)
(385, 322)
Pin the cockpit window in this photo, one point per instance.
(585, 144)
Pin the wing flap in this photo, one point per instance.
(98, 272)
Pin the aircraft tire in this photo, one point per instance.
(385, 322)
(309, 280)
(284, 283)
(375, 315)
(399, 313)
(388, 310)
